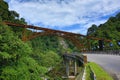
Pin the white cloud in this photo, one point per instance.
(53, 14)
(83, 30)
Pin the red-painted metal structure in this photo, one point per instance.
(77, 39)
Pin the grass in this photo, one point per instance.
(99, 72)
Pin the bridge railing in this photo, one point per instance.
(109, 52)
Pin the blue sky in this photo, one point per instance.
(67, 15)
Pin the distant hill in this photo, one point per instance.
(108, 30)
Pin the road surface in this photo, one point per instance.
(110, 63)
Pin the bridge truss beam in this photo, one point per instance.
(78, 40)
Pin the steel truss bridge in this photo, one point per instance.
(79, 40)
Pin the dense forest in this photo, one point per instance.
(109, 30)
(31, 60)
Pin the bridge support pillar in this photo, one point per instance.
(67, 67)
(75, 67)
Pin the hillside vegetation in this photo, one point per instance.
(24, 60)
(31, 60)
(109, 30)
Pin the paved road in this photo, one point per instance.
(110, 63)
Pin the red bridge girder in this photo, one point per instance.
(73, 37)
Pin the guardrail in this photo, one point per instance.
(80, 75)
(81, 58)
(92, 74)
(109, 52)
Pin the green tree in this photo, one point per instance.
(4, 10)
(92, 29)
(109, 30)
(15, 60)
